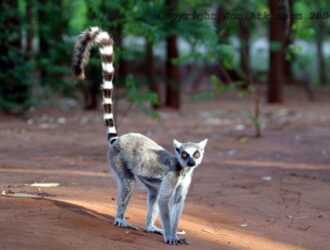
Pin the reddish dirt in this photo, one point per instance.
(266, 193)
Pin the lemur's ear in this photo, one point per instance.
(202, 144)
(177, 145)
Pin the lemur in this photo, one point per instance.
(167, 176)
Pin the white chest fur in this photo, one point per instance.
(185, 180)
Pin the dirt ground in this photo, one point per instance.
(266, 193)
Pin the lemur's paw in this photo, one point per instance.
(177, 241)
(153, 229)
(124, 224)
(171, 241)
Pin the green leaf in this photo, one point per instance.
(307, 33)
(275, 46)
(204, 96)
(142, 100)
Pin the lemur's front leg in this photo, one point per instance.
(178, 203)
(163, 203)
(166, 190)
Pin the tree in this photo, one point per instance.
(242, 27)
(222, 34)
(30, 30)
(320, 32)
(287, 43)
(275, 73)
(150, 73)
(173, 88)
(91, 86)
(244, 33)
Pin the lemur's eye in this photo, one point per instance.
(196, 154)
(184, 155)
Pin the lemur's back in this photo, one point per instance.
(142, 156)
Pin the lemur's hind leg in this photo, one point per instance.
(125, 186)
(152, 213)
(125, 190)
(152, 210)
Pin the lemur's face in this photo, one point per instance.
(189, 154)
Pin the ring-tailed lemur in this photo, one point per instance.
(167, 176)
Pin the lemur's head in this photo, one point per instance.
(189, 154)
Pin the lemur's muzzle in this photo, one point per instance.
(191, 163)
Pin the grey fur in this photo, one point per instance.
(166, 176)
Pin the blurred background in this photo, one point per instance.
(165, 50)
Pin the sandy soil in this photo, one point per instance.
(267, 193)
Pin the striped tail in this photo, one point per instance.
(80, 58)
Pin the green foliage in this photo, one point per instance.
(144, 20)
(56, 22)
(254, 121)
(219, 88)
(141, 99)
(293, 51)
(306, 33)
(15, 87)
(78, 11)
(55, 51)
(204, 96)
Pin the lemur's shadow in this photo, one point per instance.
(85, 211)
(82, 210)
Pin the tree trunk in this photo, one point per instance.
(91, 85)
(288, 40)
(117, 35)
(220, 19)
(173, 86)
(320, 55)
(173, 90)
(288, 74)
(43, 42)
(121, 66)
(275, 80)
(150, 73)
(223, 36)
(244, 52)
(31, 28)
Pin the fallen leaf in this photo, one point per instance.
(44, 185)
(266, 178)
(207, 231)
(293, 217)
(231, 152)
(19, 195)
(243, 139)
(239, 127)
